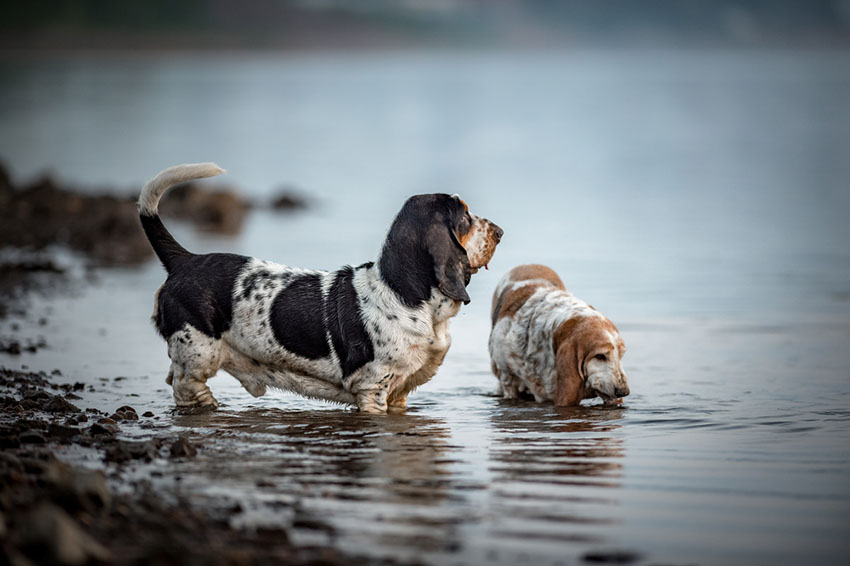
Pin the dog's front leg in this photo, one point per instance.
(372, 390)
(372, 401)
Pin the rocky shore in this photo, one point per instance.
(54, 513)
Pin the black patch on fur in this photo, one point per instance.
(199, 291)
(345, 323)
(422, 251)
(296, 318)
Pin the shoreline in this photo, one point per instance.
(52, 511)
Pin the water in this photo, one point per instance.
(698, 198)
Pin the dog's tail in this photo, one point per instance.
(163, 243)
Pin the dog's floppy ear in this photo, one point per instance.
(451, 264)
(422, 250)
(569, 363)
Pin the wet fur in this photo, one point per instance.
(365, 335)
(548, 344)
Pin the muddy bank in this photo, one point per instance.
(105, 228)
(102, 227)
(52, 512)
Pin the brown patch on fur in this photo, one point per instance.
(536, 271)
(510, 301)
(574, 342)
(464, 238)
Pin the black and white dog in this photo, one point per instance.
(365, 335)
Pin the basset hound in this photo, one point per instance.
(364, 336)
(548, 344)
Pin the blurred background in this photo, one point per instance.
(707, 140)
(683, 164)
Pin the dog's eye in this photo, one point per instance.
(601, 357)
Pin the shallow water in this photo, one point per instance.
(696, 198)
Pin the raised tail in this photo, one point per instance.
(163, 243)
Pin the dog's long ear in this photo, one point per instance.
(451, 264)
(569, 363)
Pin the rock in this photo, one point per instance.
(31, 437)
(59, 405)
(9, 440)
(11, 468)
(105, 429)
(78, 489)
(126, 450)
(288, 200)
(611, 557)
(62, 432)
(49, 535)
(125, 413)
(147, 414)
(182, 448)
(220, 211)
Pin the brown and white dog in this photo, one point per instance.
(547, 343)
(365, 335)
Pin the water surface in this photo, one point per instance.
(697, 198)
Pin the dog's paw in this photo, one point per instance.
(194, 397)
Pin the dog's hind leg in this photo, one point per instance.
(195, 358)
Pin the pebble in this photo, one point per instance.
(182, 448)
(31, 437)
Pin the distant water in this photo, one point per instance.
(698, 198)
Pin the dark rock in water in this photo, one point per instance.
(147, 414)
(62, 432)
(182, 448)
(98, 429)
(288, 200)
(50, 536)
(13, 347)
(32, 437)
(104, 227)
(9, 440)
(216, 211)
(611, 557)
(124, 451)
(59, 405)
(125, 413)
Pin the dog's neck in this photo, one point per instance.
(433, 309)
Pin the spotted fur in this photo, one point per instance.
(365, 335)
(550, 345)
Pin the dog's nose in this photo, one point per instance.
(622, 391)
(497, 233)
